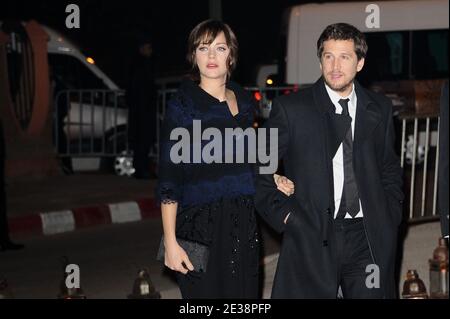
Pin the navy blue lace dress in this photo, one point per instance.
(215, 199)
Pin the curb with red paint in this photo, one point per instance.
(57, 222)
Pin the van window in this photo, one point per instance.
(390, 58)
(72, 73)
(387, 57)
(430, 54)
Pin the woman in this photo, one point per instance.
(203, 201)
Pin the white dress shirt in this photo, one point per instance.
(338, 159)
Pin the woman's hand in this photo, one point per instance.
(284, 184)
(176, 258)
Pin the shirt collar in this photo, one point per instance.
(335, 97)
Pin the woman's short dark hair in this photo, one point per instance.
(343, 31)
(205, 33)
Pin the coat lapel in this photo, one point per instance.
(367, 117)
(334, 128)
(336, 124)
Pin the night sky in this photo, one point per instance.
(109, 29)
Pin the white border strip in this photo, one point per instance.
(57, 222)
(125, 212)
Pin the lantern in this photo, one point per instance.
(439, 271)
(414, 288)
(65, 291)
(143, 287)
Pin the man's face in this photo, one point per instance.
(339, 65)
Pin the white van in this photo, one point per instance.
(103, 117)
(398, 20)
(95, 121)
(407, 58)
(63, 51)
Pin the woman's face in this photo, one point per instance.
(212, 58)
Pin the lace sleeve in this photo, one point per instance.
(167, 193)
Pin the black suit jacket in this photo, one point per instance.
(443, 160)
(309, 134)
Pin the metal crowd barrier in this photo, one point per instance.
(90, 123)
(94, 123)
(420, 163)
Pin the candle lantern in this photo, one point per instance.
(439, 271)
(414, 288)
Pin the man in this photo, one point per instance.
(336, 140)
(443, 161)
(59, 135)
(142, 108)
(5, 242)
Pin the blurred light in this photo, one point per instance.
(90, 60)
(286, 92)
(257, 96)
(269, 81)
(255, 124)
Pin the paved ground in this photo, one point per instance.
(109, 257)
(68, 202)
(118, 230)
(70, 191)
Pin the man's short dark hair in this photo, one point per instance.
(343, 31)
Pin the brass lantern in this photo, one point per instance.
(143, 287)
(414, 288)
(70, 293)
(439, 271)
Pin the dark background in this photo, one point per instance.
(108, 30)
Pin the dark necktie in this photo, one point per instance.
(350, 197)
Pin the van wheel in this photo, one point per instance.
(122, 163)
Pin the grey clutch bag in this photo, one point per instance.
(198, 253)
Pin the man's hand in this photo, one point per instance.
(284, 184)
(286, 218)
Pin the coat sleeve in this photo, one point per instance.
(170, 175)
(272, 204)
(443, 161)
(391, 173)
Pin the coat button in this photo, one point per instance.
(325, 243)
